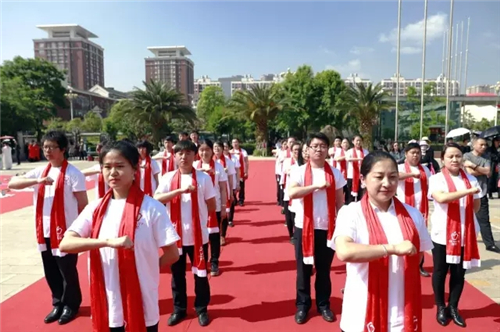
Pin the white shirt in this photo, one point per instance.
(220, 176)
(288, 165)
(205, 191)
(155, 169)
(350, 154)
(154, 230)
(95, 178)
(439, 217)
(74, 181)
(236, 161)
(230, 172)
(160, 161)
(417, 184)
(352, 223)
(320, 202)
(237, 155)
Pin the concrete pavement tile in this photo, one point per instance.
(6, 277)
(22, 279)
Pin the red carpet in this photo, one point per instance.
(256, 290)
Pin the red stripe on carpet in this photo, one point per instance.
(256, 290)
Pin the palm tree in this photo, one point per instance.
(260, 104)
(363, 106)
(158, 104)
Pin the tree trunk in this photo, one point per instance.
(261, 132)
(367, 133)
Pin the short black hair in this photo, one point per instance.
(170, 138)
(184, 133)
(125, 148)
(448, 146)
(195, 132)
(372, 158)
(208, 142)
(319, 135)
(185, 145)
(338, 137)
(145, 144)
(412, 146)
(57, 136)
(354, 137)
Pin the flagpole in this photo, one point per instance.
(444, 55)
(456, 55)
(450, 42)
(466, 55)
(461, 49)
(423, 72)
(398, 49)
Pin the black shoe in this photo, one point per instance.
(283, 211)
(203, 319)
(176, 318)
(328, 315)
(67, 315)
(424, 273)
(493, 248)
(230, 224)
(300, 316)
(53, 315)
(455, 316)
(241, 203)
(214, 271)
(442, 316)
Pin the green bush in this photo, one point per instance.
(249, 147)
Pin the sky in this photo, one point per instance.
(260, 37)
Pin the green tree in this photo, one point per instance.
(35, 88)
(56, 124)
(364, 104)
(129, 123)
(211, 99)
(260, 104)
(157, 105)
(75, 126)
(92, 122)
(111, 128)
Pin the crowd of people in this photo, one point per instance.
(157, 210)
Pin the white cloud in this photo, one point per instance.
(356, 50)
(351, 67)
(326, 50)
(412, 34)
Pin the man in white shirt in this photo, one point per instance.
(326, 201)
(242, 156)
(165, 158)
(184, 154)
(60, 269)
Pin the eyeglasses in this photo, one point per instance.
(319, 147)
(50, 147)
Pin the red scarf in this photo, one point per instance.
(224, 164)
(355, 171)
(378, 273)
(410, 190)
(242, 163)
(57, 216)
(343, 163)
(170, 160)
(200, 266)
(213, 225)
(148, 173)
(101, 187)
(308, 225)
(454, 227)
(130, 289)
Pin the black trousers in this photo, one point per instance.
(483, 219)
(289, 218)
(62, 277)
(457, 277)
(278, 190)
(241, 194)
(214, 240)
(323, 257)
(223, 224)
(201, 285)
(231, 210)
(349, 197)
(153, 328)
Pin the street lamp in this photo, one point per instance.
(497, 90)
(70, 95)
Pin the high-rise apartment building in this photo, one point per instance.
(355, 79)
(389, 85)
(481, 89)
(170, 64)
(69, 47)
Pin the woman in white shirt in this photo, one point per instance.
(354, 157)
(381, 239)
(456, 196)
(148, 168)
(236, 181)
(123, 232)
(290, 164)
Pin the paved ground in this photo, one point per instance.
(21, 265)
